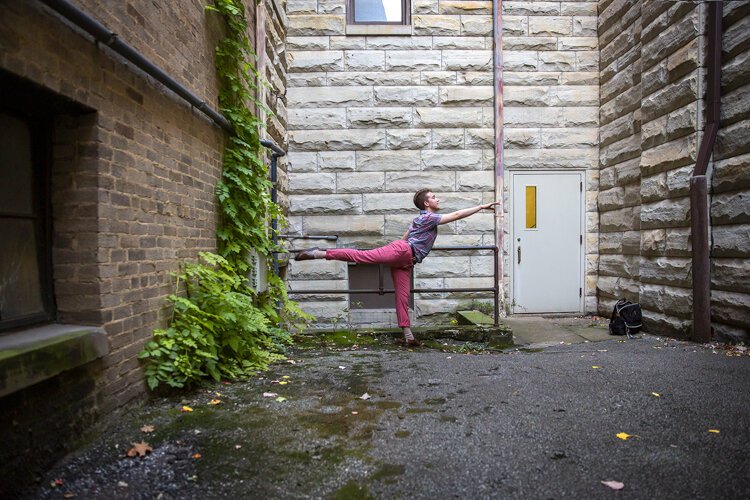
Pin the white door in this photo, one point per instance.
(547, 242)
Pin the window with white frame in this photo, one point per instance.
(378, 12)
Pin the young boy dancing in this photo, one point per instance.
(401, 255)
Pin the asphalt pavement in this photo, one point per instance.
(537, 421)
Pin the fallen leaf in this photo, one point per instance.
(286, 376)
(595, 367)
(215, 402)
(139, 450)
(186, 409)
(714, 431)
(615, 485)
(625, 436)
(283, 382)
(269, 394)
(147, 428)
(69, 494)
(197, 456)
(280, 399)
(656, 394)
(365, 396)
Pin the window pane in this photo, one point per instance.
(20, 289)
(377, 11)
(530, 207)
(365, 276)
(15, 166)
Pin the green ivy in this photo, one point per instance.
(222, 328)
(244, 189)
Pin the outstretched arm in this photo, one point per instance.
(461, 214)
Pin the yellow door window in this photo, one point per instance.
(530, 207)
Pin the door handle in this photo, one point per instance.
(519, 254)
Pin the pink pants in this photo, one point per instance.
(397, 256)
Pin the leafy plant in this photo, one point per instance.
(222, 328)
(217, 329)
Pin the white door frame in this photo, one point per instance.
(511, 231)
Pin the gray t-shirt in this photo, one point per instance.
(422, 233)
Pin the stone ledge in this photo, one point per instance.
(379, 29)
(33, 355)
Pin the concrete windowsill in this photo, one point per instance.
(36, 354)
(378, 29)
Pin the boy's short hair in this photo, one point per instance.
(420, 197)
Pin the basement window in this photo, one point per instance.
(378, 17)
(368, 276)
(25, 258)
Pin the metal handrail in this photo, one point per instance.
(381, 290)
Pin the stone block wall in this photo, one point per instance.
(374, 118)
(619, 198)
(132, 197)
(652, 119)
(730, 184)
(272, 65)
(551, 103)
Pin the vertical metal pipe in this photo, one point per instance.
(274, 221)
(496, 291)
(497, 58)
(701, 260)
(276, 152)
(699, 217)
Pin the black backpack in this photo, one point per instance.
(626, 319)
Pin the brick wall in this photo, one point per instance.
(652, 119)
(374, 118)
(132, 197)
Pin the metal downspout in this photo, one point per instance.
(276, 153)
(103, 35)
(497, 59)
(699, 217)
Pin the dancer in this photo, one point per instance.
(401, 255)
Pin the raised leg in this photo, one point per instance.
(397, 253)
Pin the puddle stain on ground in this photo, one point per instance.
(388, 472)
(322, 433)
(352, 490)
